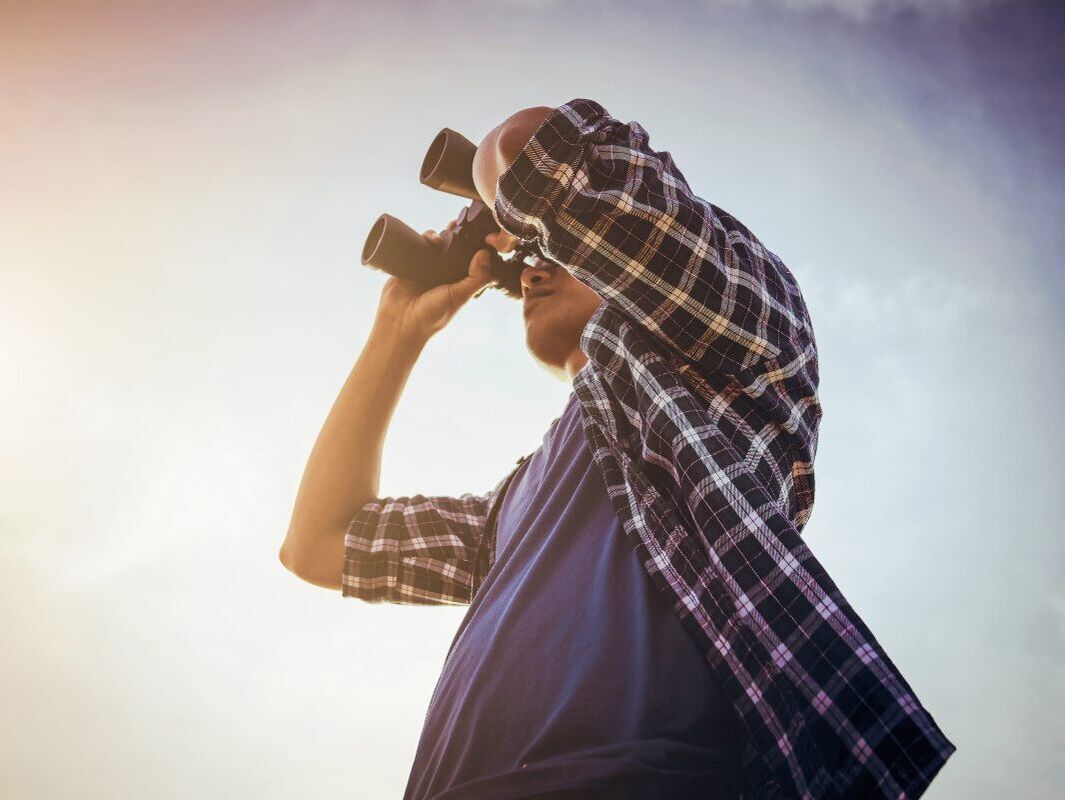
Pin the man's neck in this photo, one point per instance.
(575, 362)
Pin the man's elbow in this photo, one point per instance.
(502, 146)
(287, 557)
(320, 566)
(519, 129)
(293, 560)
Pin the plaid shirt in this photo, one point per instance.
(699, 401)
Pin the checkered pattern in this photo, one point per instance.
(699, 401)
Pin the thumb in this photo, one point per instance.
(480, 275)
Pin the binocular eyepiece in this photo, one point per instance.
(394, 247)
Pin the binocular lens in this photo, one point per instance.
(394, 247)
(448, 165)
(373, 240)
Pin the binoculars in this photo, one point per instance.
(394, 247)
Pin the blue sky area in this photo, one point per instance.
(185, 195)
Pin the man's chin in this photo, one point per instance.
(553, 371)
(547, 363)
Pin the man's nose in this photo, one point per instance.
(533, 275)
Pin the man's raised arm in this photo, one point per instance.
(622, 219)
(340, 482)
(343, 470)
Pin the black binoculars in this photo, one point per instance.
(394, 247)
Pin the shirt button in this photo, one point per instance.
(524, 764)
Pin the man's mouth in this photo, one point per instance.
(530, 300)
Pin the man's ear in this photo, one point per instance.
(501, 147)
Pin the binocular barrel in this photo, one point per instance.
(394, 247)
(448, 165)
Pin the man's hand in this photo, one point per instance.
(502, 146)
(420, 312)
(502, 241)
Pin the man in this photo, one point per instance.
(645, 619)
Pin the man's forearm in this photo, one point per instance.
(343, 470)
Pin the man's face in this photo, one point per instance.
(557, 307)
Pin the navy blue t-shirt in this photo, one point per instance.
(570, 675)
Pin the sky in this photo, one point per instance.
(184, 193)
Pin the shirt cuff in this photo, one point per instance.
(531, 190)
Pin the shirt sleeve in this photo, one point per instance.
(622, 219)
(416, 549)
(413, 549)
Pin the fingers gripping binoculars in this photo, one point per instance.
(394, 247)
